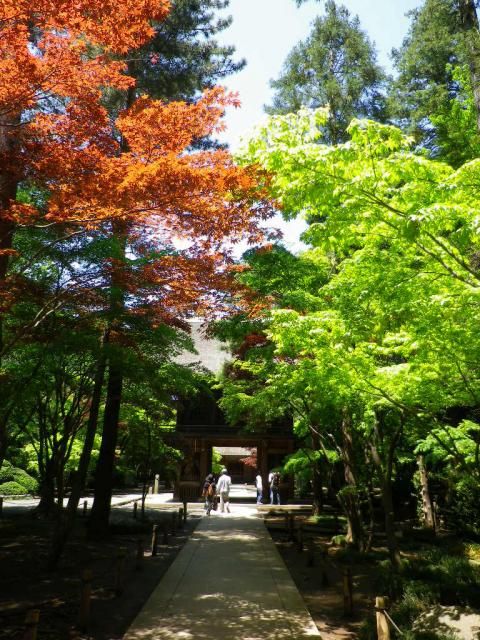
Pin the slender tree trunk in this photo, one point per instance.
(317, 477)
(428, 520)
(3, 435)
(66, 523)
(46, 490)
(317, 489)
(470, 25)
(98, 523)
(9, 179)
(371, 512)
(385, 472)
(8, 192)
(348, 496)
(392, 542)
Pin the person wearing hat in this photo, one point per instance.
(223, 490)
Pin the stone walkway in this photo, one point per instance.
(227, 583)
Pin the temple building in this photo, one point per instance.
(202, 426)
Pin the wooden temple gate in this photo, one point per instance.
(201, 426)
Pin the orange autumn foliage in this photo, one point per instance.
(138, 173)
(56, 57)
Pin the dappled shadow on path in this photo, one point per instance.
(230, 583)
(225, 617)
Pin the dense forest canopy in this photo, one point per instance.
(118, 214)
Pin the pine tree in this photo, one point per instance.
(336, 67)
(431, 87)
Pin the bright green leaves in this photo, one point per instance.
(396, 321)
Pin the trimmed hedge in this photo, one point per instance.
(12, 489)
(10, 474)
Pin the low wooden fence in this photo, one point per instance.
(162, 533)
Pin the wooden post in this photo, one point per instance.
(165, 533)
(31, 624)
(150, 489)
(174, 523)
(184, 511)
(154, 539)
(436, 521)
(180, 518)
(287, 525)
(310, 562)
(383, 629)
(300, 536)
(157, 483)
(135, 509)
(85, 508)
(139, 555)
(323, 566)
(85, 596)
(1, 506)
(120, 570)
(347, 592)
(291, 526)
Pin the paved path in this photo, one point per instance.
(227, 583)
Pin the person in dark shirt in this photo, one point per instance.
(209, 493)
(275, 488)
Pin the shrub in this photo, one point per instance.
(12, 489)
(465, 505)
(9, 474)
(339, 540)
(6, 472)
(22, 477)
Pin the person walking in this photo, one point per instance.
(209, 493)
(270, 476)
(223, 489)
(275, 488)
(259, 485)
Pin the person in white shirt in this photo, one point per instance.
(223, 490)
(259, 485)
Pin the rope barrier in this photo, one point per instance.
(387, 615)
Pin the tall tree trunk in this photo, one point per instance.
(392, 542)
(9, 179)
(46, 490)
(371, 513)
(348, 497)
(317, 488)
(66, 523)
(3, 435)
(8, 192)
(470, 26)
(385, 472)
(428, 520)
(98, 523)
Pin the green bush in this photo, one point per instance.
(417, 597)
(9, 474)
(6, 472)
(465, 505)
(456, 581)
(12, 489)
(22, 477)
(339, 540)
